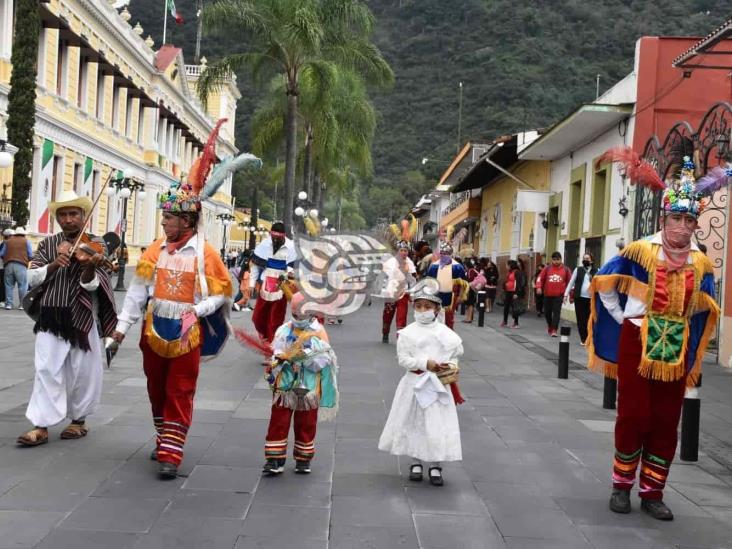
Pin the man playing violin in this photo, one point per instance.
(76, 309)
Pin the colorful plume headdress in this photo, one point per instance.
(203, 182)
(450, 240)
(401, 236)
(683, 193)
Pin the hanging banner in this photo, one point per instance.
(46, 185)
(533, 201)
(87, 186)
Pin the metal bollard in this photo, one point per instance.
(690, 415)
(481, 307)
(609, 393)
(563, 370)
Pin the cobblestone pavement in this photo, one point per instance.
(537, 453)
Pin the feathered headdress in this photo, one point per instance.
(401, 236)
(683, 193)
(450, 241)
(202, 182)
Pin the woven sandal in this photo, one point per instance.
(74, 431)
(34, 437)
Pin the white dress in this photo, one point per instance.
(431, 433)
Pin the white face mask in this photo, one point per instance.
(425, 317)
(301, 323)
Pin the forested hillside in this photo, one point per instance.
(522, 64)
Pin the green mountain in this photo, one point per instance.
(522, 64)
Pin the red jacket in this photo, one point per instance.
(553, 280)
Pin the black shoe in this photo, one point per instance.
(154, 454)
(657, 509)
(302, 467)
(620, 501)
(167, 471)
(385, 338)
(415, 472)
(273, 467)
(436, 476)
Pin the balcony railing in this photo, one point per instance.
(452, 206)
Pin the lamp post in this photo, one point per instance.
(226, 220)
(305, 208)
(6, 209)
(124, 187)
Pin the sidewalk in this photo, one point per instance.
(535, 470)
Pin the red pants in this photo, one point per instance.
(647, 422)
(450, 318)
(171, 385)
(268, 316)
(306, 421)
(401, 308)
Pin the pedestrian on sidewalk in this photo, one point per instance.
(552, 283)
(537, 295)
(653, 315)
(491, 285)
(7, 233)
(75, 306)
(476, 282)
(578, 292)
(245, 291)
(423, 422)
(16, 254)
(514, 291)
(185, 318)
(303, 379)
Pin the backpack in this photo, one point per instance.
(478, 282)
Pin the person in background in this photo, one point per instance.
(473, 274)
(491, 276)
(245, 291)
(578, 291)
(7, 233)
(514, 289)
(552, 283)
(537, 295)
(16, 254)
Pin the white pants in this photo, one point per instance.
(68, 382)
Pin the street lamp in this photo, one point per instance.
(6, 158)
(124, 186)
(6, 215)
(226, 220)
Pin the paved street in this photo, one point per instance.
(537, 453)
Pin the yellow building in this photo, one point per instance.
(242, 228)
(106, 101)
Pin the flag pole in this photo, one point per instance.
(165, 20)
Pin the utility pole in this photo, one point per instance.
(199, 31)
(460, 117)
(597, 88)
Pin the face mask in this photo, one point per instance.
(445, 260)
(424, 317)
(586, 263)
(301, 323)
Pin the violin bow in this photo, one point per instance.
(89, 215)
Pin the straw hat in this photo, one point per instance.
(8, 232)
(69, 199)
(20, 231)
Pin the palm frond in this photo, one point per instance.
(217, 74)
(224, 16)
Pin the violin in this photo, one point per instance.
(85, 247)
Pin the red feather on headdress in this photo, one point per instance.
(253, 342)
(202, 165)
(639, 171)
(405, 231)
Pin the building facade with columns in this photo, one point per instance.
(107, 101)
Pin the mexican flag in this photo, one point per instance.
(170, 4)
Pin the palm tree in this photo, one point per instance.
(294, 39)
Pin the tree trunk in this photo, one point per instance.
(307, 171)
(22, 105)
(339, 202)
(290, 160)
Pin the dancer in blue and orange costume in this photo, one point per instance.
(653, 313)
(303, 378)
(450, 275)
(185, 291)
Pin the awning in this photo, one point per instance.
(482, 173)
(577, 129)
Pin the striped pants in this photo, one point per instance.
(647, 421)
(171, 385)
(305, 424)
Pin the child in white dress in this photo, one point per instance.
(423, 422)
